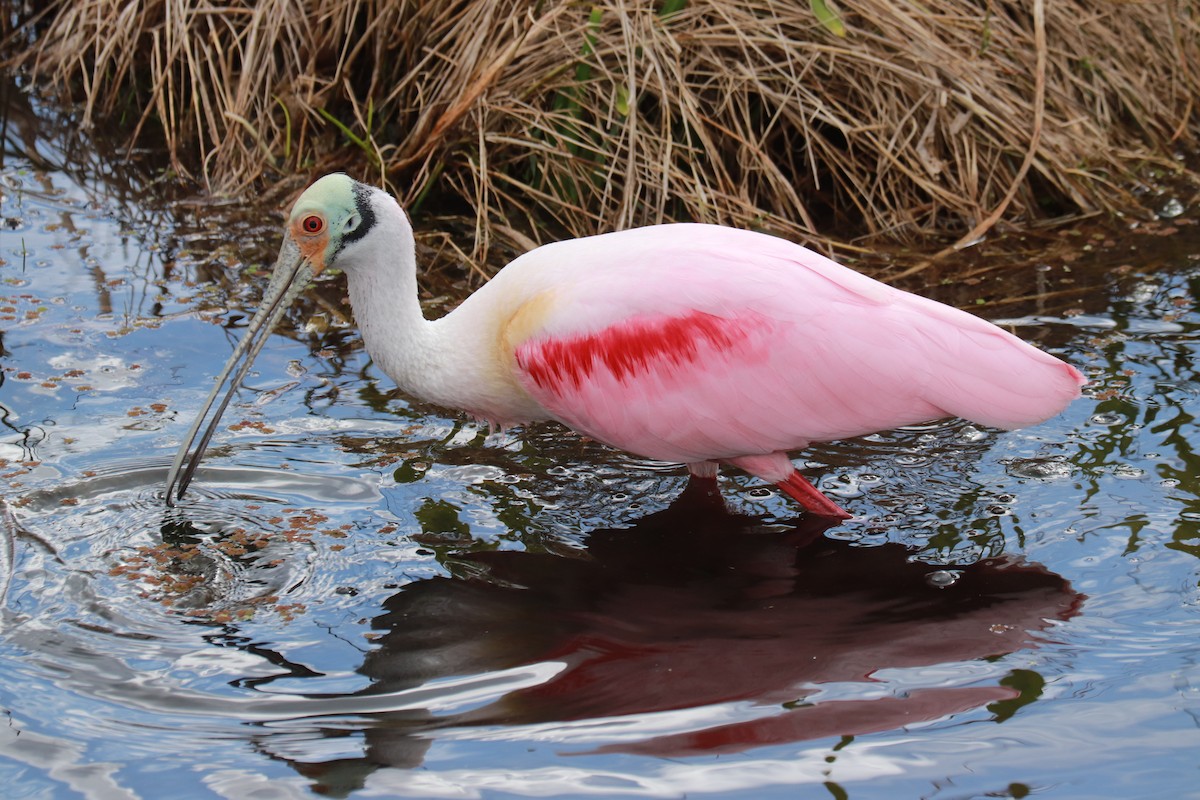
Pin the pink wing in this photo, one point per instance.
(694, 343)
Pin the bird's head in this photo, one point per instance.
(330, 218)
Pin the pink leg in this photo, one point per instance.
(807, 495)
(777, 468)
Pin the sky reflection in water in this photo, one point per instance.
(362, 596)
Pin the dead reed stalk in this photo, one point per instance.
(541, 119)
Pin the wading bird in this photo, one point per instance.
(689, 343)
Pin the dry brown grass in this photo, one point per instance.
(535, 120)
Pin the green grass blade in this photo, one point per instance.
(827, 17)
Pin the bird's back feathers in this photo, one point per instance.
(697, 342)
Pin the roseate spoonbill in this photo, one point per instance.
(688, 343)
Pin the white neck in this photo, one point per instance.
(451, 362)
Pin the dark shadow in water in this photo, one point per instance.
(693, 606)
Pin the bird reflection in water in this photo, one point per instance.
(690, 607)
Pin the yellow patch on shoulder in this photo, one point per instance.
(528, 319)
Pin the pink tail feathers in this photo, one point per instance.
(810, 497)
(988, 376)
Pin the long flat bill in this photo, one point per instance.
(291, 274)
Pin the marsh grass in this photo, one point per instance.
(839, 121)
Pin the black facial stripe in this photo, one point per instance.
(366, 219)
(366, 213)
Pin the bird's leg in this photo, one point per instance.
(778, 469)
(702, 481)
(798, 488)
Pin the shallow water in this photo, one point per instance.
(363, 596)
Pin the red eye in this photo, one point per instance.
(312, 224)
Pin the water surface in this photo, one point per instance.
(363, 596)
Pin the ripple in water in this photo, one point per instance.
(212, 621)
(1040, 468)
(128, 611)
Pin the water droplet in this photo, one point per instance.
(1106, 418)
(971, 434)
(942, 578)
(760, 491)
(1171, 209)
(1041, 468)
(1128, 471)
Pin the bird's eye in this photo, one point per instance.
(313, 223)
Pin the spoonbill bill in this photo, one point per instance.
(689, 343)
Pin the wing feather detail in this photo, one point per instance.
(693, 342)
